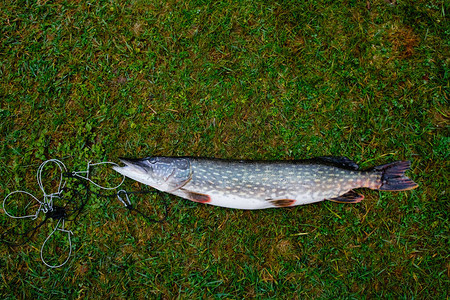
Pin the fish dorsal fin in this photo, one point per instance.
(339, 161)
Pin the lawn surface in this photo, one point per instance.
(93, 81)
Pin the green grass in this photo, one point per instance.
(231, 79)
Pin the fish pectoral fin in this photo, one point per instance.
(197, 197)
(282, 202)
(349, 197)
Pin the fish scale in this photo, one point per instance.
(247, 184)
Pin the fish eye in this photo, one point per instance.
(152, 160)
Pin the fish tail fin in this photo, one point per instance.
(393, 176)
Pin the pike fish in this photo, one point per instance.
(247, 184)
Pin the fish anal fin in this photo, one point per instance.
(349, 197)
(197, 197)
(283, 202)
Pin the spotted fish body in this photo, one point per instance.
(246, 184)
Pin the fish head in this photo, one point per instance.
(163, 173)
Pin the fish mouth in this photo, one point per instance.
(132, 165)
(133, 162)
